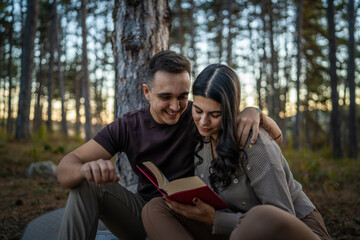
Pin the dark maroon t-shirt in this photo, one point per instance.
(170, 147)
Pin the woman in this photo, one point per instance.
(264, 200)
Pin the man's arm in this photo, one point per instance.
(250, 119)
(88, 162)
(271, 127)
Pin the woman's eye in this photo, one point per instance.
(215, 115)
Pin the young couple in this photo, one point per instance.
(160, 133)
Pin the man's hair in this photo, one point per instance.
(167, 61)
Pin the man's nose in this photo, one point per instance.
(174, 105)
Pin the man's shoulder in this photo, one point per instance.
(137, 113)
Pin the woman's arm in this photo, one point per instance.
(221, 222)
(271, 182)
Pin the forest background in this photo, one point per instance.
(67, 68)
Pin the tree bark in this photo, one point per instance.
(60, 73)
(193, 25)
(9, 123)
(27, 65)
(230, 35)
(39, 92)
(85, 85)
(141, 30)
(50, 83)
(181, 26)
(334, 121)
(296, 133)
(353, 143)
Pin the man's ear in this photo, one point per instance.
(146, 91)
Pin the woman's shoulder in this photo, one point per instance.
(261, 156)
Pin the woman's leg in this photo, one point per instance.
(315, 221)
(270, 222)
(161, 222)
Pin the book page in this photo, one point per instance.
(160, 178)
(183, 184)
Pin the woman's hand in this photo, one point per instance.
(200, 211)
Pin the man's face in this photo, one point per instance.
(168, 96)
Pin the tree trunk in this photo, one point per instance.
(181, 26)
(296, 133)
(77, 102)
(220, 29)
(9, 123)
(288, 79)
(335, 120)
(39, 92)
(193, 38)
(265, 60)
(230, 35)
(60, 73)
(353, 143)
(2, 79)
(50, 83)
(141, 30)
(77, 93)
(85, 84)
(27, 64)
(274, 112)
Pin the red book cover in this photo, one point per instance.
(182, 190)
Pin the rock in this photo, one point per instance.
(44, 169)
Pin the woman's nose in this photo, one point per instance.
(204, 120)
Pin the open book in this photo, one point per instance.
(182, 190)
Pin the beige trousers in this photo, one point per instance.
(261, 222)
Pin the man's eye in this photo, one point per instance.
(165, 97)
(183, 97)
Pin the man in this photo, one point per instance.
(160, 132)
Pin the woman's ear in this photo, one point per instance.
(146, 91)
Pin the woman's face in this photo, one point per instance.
(206, 113)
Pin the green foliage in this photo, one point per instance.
(311, 168)
(17, 156)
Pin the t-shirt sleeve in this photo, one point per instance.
(266, 174)
(112, 136)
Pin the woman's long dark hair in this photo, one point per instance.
(220, 83)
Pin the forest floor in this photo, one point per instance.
(333, 185)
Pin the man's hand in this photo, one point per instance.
(99, 171)
(248, 120)
(200, 211)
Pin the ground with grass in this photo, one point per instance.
(333, 185)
